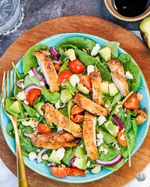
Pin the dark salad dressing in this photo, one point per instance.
(131, 8)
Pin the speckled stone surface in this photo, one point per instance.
(36, 12)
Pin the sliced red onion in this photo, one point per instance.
(27, 89)
(39, 156)
(56, 61)
(54, 52)
(72, 161)
(52, 164)
(20, 83)
(110, 163)
(118, 121)
(38, 75)
(27, 135)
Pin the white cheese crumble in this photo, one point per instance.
(45, 157)
(103, 149)
(115, 144)
(129, 75)
(96, 169)
(74, 79)
(28, 123)
(32, 156)
(99, 140)
(90, 69)
(57, 105)
(101, 120)
(95, 50)
(30, 72)
(21, 95)
(42, 83)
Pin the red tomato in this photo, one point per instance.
(43, 129)
(132, 102)
(121, 138)
(76, 66)
(76, 172)
(78, 118)
(64, 76)
(76, 114)
(86, 81)
(60, 172)
(33, 95)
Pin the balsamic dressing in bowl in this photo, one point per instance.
(130, 8)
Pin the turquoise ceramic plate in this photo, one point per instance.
(43, 169)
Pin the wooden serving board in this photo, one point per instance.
(101, 28)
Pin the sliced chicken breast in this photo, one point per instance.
(89, 135)
(96, 87)
(53, 140)
(118, 76)
(89, 105)
(48, 69)
(54, 116)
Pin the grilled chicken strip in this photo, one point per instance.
(96, 87)
(53, 140)
(48, 69)
(89, 105)
(118, 76)
(89, 135)
(54, 116)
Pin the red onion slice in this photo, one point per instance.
(54, 52)
(38, 75)
(39, 156)
(118, 121)
(110, 163)
(27, 89)
(72, 161)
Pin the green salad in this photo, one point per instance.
(77, 106)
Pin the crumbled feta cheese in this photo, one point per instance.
(59, 129)
(101, 120)
(88, 163)
(74, 79)
(42, 83)
(95, 50)
(90, 69)
(21, 95)
(30, 72)
(26, 102)
(115, 144)
(37, 115)
(60, 153)
(32, 156)
(99, 140)
(45, 157)
(129, 75)
(57, 105)
(103, 149)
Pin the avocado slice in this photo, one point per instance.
(145, 30)
(53, 157)
(104, 87)
(38, 107)
(105, 53)
(82, 88)
(15, 107)
(112, 129)
(112, 89)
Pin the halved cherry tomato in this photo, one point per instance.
(43, 129)
(76, 114)
(33, 95)
(60, 172)
(64, 76)
(77, 118)
(76, 66)
(76, 172)
(121, 138)
(132, 102)
(86, 81)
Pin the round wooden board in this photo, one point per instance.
(101, 28)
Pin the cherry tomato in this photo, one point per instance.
(43, 129)
(76, 172)
(76, 114)
(33, 95)
(132, 102)
(121, 138)
(60, 172)
(76, 66)
(78, 118)
(64, 76)
(86, 81)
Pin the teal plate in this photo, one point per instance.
(44, 169)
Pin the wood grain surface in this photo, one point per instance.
(98, 27)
